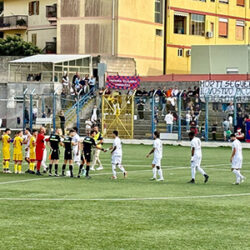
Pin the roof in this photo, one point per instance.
(49, 58)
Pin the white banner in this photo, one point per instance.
(225, 91)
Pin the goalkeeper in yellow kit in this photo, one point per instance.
(6, 150)
(18, 154)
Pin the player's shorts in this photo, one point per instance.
(18, 157)
(55, 154)
(68, 155)
(116, 159)
(27, 153)
(32, 156)
(237, 163)
(6, 154)
(86, 156)
(76, 158)
(157, 162)
(225, 133)
(196, 163)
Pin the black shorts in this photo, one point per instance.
(68, 155)
(55, 154)
(86, 156)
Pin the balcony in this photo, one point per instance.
(50, 48)
(13, 23)
(51, 14)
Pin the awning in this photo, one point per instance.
(178, 13)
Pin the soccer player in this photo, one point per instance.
(54, 141)
(236, 159)
(76, 147)
(26, 142)
(17, 153)
(6, 150)
(157, 150)
(32, 152)
(116, 159)
(196, 157)
(99, 142)
(68, 158)
(88, 143)
(40, 146)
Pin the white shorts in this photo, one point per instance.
(157, 162)
(76, 158)
(116, 159)
(27, 153)
(196, 163)
(237, 163)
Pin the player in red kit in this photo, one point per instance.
(40, 146)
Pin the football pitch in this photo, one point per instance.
(133, 213)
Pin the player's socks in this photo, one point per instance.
(241, 176)
(38, 166)
(122, 168)
(50, 168)
(114, 170)
(71, 171)
(160, 174)
(87, 171)
(154, 172)
(201, 171)
(80, 170)
(15, 168)
(63, 169)
(19, 169)
(237, 174)
(193, 172)
(56, 169)
(4, 166)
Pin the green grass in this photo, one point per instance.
(175, 223)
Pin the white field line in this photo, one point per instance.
(131, 198)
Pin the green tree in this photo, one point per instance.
(16, 46)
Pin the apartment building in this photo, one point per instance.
(203, 22)
(122, 28)
(34, 21)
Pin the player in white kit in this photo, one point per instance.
(116, 152)
(76, 147)
(196, 157)
(236, 159)
(157, 150)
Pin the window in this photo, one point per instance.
(241, 3)
(197, 25)
(232, 71)
(34, 8)
(212, 27)
(1, 7)
(180, 23)
(224, 1)
(34, 39)
(1, 35)
(223, 27)
(158, 32)
(239, 32)
(180, 52)
(158, 11)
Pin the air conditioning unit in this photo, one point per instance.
(188, 53)
(209, 34)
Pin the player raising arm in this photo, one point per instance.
(196, 157)
(157, 150)
(236, 159)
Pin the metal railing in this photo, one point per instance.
(13, 21)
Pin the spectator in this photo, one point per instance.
(175, 92)
(26, 116)
(197, 113)
(65, 82)
(86, 88)
(92, 82)
(156, 114)
(94, 115)
(228, 135)
(88, 125)
(157, 101)
(188, 120)
(169, 119)
(190, 93)
(169, 92)
(144, 95)
(225, 125)
(140, 109)
(184, 99)
(214, 131)
(164, 103)
(63, 99)
(43, 115)
(230, 119)
(48, 111)
(74, 78)
(230, 109)
(138, 95)
(34, 113)
(62, 121)
(202, 131)
(239, 135)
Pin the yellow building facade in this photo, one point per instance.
(34, 21)
(123, 28)
(206, 22)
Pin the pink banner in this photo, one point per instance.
(123, 82)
